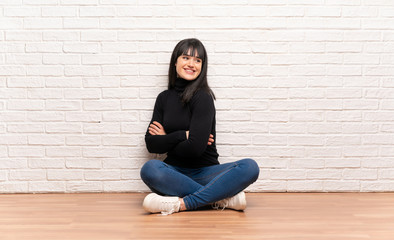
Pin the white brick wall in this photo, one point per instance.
(305, 87)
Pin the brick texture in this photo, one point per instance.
(304, 87)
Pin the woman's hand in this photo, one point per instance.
(210, 140)
(156, 129)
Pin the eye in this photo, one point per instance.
(199, 60)
(185, 57)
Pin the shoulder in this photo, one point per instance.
(162, 95)
(202, 95)
(202, 98)
(161, 99)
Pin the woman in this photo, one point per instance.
(183, 126)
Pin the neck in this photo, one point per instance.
(181, 84)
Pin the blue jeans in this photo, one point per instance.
(200, 186)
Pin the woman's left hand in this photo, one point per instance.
(156, 129)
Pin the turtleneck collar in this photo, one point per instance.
(180, 84)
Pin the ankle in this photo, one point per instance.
(183, 206)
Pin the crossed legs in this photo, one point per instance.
(201, 186)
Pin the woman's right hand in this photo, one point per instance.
(156, 129)
(210, 140)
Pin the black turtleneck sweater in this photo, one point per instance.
(197, 117)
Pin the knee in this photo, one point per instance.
(149, 170)
(251, 167)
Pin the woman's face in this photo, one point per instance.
(188, 67)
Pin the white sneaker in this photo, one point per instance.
(237, 202)
(155, 203)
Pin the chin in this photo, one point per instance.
(188, 78)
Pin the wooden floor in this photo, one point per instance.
(279, 216)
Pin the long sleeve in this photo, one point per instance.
(162, 143)
(203, 112)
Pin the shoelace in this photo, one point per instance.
(220, 204)
(168, 208)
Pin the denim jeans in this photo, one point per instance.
(200, 186)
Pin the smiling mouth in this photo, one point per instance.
(189, 71)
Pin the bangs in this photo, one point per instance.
(193, 49)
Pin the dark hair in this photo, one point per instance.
(189, 47)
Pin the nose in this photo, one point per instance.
(190, 63)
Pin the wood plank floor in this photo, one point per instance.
(290, 216)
